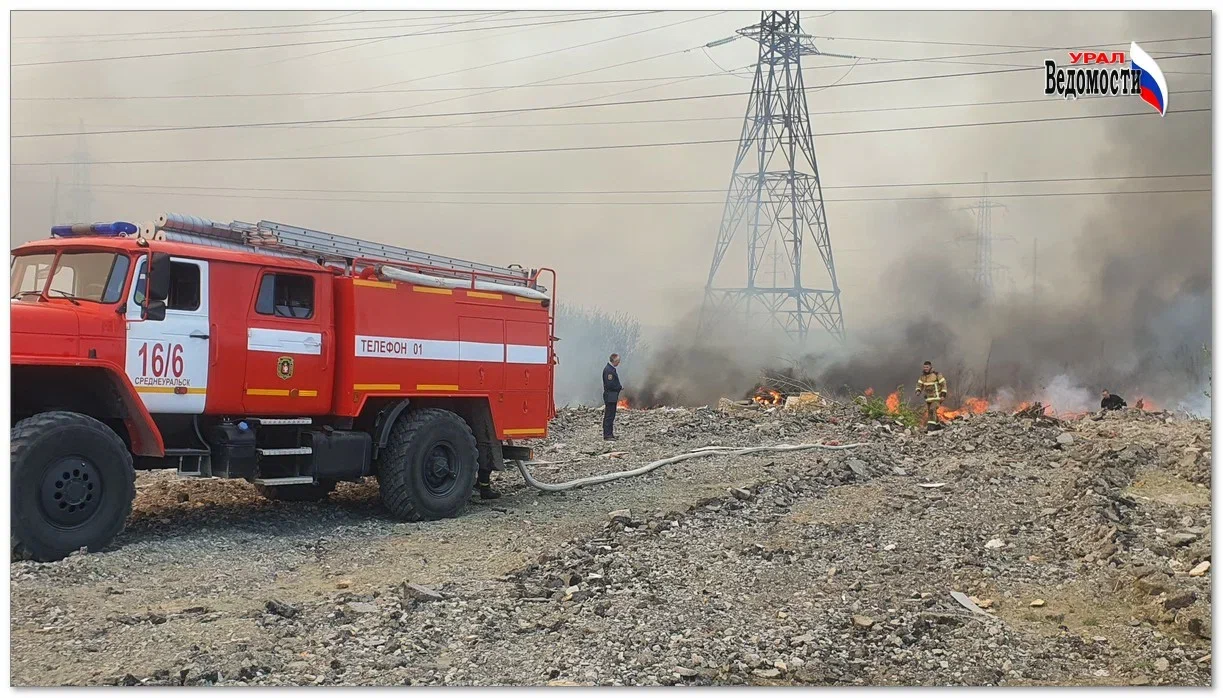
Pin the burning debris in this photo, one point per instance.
(767, 396)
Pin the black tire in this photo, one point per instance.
(72, 485)
(297, 493)
(428, 468)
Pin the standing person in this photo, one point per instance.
(932, 384)
(611, 395)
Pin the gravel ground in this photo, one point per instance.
(1085, 550)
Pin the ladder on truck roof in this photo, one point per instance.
(279, 239)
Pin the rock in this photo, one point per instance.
(1154, 583)
(1197, 627)
(1065, 439)
(781, 666)
(739, 493)
(621, 515)
(767, 673)
(420, 592)
(684, 672)
(1162, 664)
(363, 607)
(863, 622)
(281, 609)
(1182, 599)
(1182, 539)
(858, 467)
(983, 603)
(994, 544)
(343, 584)
(1201, 569)
(1037, 603)
(801, 640)
(1140, 680)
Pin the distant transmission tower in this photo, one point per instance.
(777, 192)
(984, 270)
(80, 200)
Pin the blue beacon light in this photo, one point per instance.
(117, 228)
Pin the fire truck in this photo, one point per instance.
(288, 357)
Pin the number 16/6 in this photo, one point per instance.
(165, 359)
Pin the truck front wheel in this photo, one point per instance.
(72, 485)
(429, 465)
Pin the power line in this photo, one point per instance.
(60, 37)
(386, 111)
(462, 202)
(612, 192)
(1029, 47)
(322, 41)
(332, 28)
(512, 110)
(235, 95)
(629, 122)
(547, 53)
(377, 91)
(579, 148)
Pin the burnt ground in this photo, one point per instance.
(1085, 547)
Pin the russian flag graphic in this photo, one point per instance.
(1151, 82)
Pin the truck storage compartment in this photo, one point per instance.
(233, 450)
(339, 455)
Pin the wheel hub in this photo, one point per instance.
(441, 470)
(71, 491)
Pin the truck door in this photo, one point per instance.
(167, 360)
(289, 345)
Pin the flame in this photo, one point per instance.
(622, 404)
(1146, 404)
(970, 405)
(767, 396)
(869, 392)
(893, 403)
(976, 405)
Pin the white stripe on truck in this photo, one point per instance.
(447, 350)
(284, 341)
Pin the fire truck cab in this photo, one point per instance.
(287, 357)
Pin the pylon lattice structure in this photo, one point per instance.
(775, 193)
(985, 269)
(79, 200)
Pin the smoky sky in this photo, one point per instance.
(1118, 284)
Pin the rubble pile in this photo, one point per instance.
(1002, 550)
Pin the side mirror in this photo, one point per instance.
(159, 281)
(154, 310)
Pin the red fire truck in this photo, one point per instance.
(288, 357)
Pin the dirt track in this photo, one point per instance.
(784, 572)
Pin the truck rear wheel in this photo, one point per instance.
(297, 493)
(72, 485)
(429, 465)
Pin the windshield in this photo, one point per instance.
(87, 276)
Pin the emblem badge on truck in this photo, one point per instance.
(284, 367)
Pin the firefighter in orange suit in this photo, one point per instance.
(933, 386)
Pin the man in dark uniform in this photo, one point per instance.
(611, 395)
(1109, 401)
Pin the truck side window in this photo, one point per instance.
(184, 287)
(286, 295)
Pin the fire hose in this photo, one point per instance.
(695, 453)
